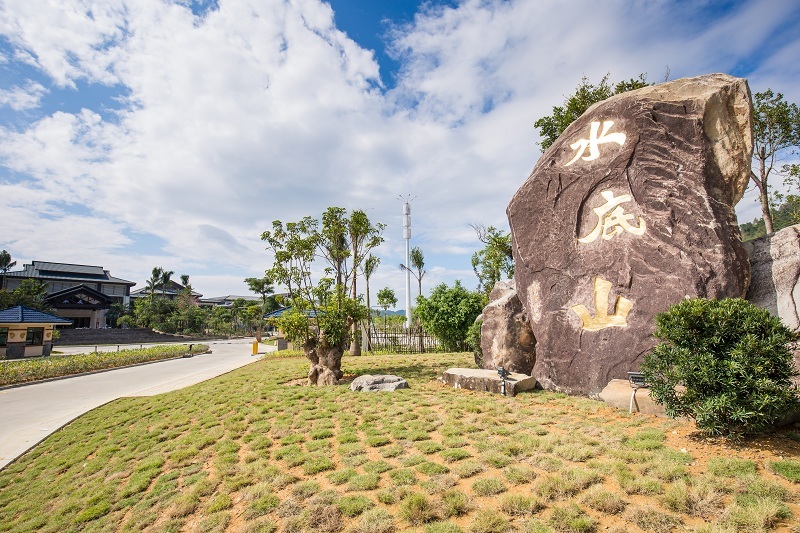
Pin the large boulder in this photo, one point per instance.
(506, 337)
(628, 212)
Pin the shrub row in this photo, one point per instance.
(13, 372)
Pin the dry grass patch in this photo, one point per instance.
(245, 452)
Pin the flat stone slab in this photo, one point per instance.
(487, 380)
(385, 382)
(618, 393)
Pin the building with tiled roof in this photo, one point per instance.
(170, 292)
(26, 332)
(80, 293)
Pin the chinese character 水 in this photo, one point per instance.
(591, 143)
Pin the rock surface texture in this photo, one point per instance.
(630, 211)
(775, 283)
(775, 266)
(506, 336)
(378, 383)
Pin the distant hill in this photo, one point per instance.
(786, 215)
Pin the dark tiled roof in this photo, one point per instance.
(24, 315)
(67, 268)
(64, 271)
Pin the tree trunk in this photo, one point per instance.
(369, 318)
(764, 194)
(325, 362)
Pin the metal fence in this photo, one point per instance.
(405, 340)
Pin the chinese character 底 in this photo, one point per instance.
(612, 219)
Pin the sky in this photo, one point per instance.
(171, 133)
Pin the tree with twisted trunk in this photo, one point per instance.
(321, 311)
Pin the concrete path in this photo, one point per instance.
(30, 413)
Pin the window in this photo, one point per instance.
(35, 337)
(3, 336)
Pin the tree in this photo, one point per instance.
(364, 237)
(448, 313)
(261, 286)
(495, 261)
(152, 283)
(575, 105)
(6, 264)
(31, 293)
(166, 278)
(418, 263)
(776, 132)
(370, 265)
(321, 313)
(725, 363)
(386, 299)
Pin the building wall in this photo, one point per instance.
(17, 347)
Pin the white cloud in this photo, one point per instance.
(22, 98)
(263, 110)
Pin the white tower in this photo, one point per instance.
(407, 237)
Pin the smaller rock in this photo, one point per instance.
(775, 280)
(385, 382)
(618, 393)
(487, 381)
(506, 337)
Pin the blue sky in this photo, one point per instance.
(147, 133)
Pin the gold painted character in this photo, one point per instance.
(612, 219)
(591, 143)
(602, 319)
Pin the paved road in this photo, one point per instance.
(30, 413)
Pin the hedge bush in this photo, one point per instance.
(727, 364)
(23, 371)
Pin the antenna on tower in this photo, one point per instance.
(407, 236)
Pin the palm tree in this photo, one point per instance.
(185, 282)
(166, 278)
(155, 279)
(6, 264)
(418, 262)
(370, 264)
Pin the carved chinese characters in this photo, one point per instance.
(581, 145)
(630, 211)
(612, 219)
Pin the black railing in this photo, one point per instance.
(405, 340)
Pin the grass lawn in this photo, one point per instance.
(249, 452)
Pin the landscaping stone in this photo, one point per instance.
(487, 380)
(618, 394)
(630, 211)
(506, 337)
(385, 382)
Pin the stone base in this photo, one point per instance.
(618, 394)
(487, 380)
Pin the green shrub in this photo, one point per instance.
(731, 361)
